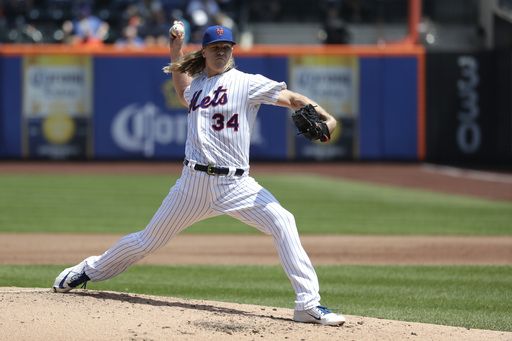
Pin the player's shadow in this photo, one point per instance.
(123, 297)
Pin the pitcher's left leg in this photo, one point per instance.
(294, 259)
(252, 204)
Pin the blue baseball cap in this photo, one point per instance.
(215, 34)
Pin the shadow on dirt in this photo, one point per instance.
(131, 298)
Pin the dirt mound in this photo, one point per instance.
(93, 315)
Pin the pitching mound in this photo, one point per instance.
(39, 314)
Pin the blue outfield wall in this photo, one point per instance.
(136, 115)
(10, 108)
(388, 108)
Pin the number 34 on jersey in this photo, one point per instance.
(220, 121)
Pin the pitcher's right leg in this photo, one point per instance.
(186, 203)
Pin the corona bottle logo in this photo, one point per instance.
(58, 128)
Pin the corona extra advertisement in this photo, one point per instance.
(333, 82)
(57, 107)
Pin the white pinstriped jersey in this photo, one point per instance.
(221, 116)
(222, 111)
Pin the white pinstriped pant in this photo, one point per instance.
(197, 196)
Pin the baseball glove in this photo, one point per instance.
(309, 124)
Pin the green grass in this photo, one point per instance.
(466, 296)
(125, 203)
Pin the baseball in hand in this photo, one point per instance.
(177, 29)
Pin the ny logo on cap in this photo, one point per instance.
(220, 31)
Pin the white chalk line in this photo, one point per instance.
(468, 173)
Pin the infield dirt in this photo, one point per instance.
(38, 314)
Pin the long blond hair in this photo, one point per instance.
(193, 63)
